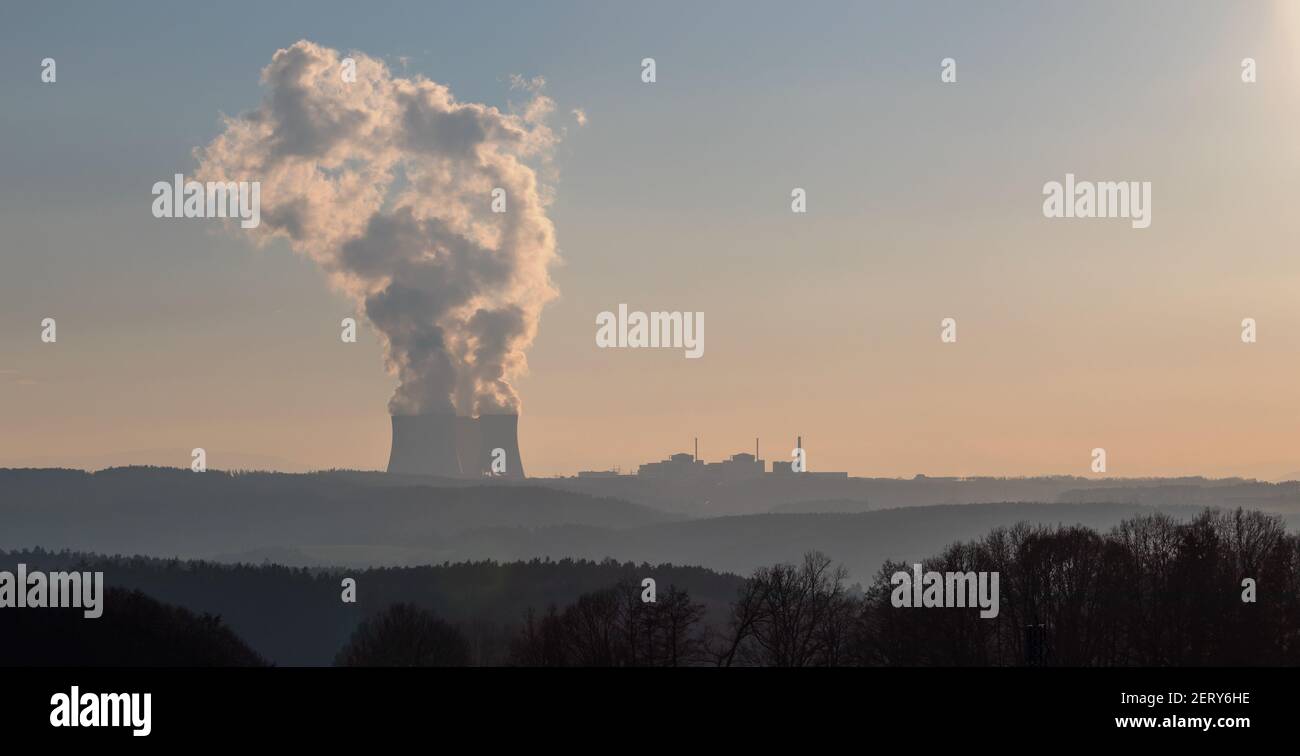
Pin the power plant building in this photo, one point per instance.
(738, 467)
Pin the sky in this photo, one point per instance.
(924, 201)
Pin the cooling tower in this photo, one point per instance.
(424, 445)
(500, 432)
(469, 442)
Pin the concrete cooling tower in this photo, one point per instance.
(468, 440)
(500, 432)
(454, 447)
(424, 445)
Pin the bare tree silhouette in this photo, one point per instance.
(788, 616)
(404, 635)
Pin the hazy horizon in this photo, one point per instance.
(258, 463)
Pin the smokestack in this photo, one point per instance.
(696, 458)
(500, 432)
(424, 445)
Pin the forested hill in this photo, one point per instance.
(296, 616)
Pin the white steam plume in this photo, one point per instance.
(386, 183)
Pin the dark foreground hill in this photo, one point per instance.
(134, 631)
(1219, 589)
(296, 617)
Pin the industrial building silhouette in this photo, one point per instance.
(454, 446)
(737, 467)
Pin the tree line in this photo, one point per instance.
(1222, 589)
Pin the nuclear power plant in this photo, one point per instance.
(453, 446)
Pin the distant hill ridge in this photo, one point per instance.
(349, 519)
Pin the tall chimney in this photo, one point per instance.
(500, 432)
(424, 445)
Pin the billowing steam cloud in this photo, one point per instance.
(387, 183)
